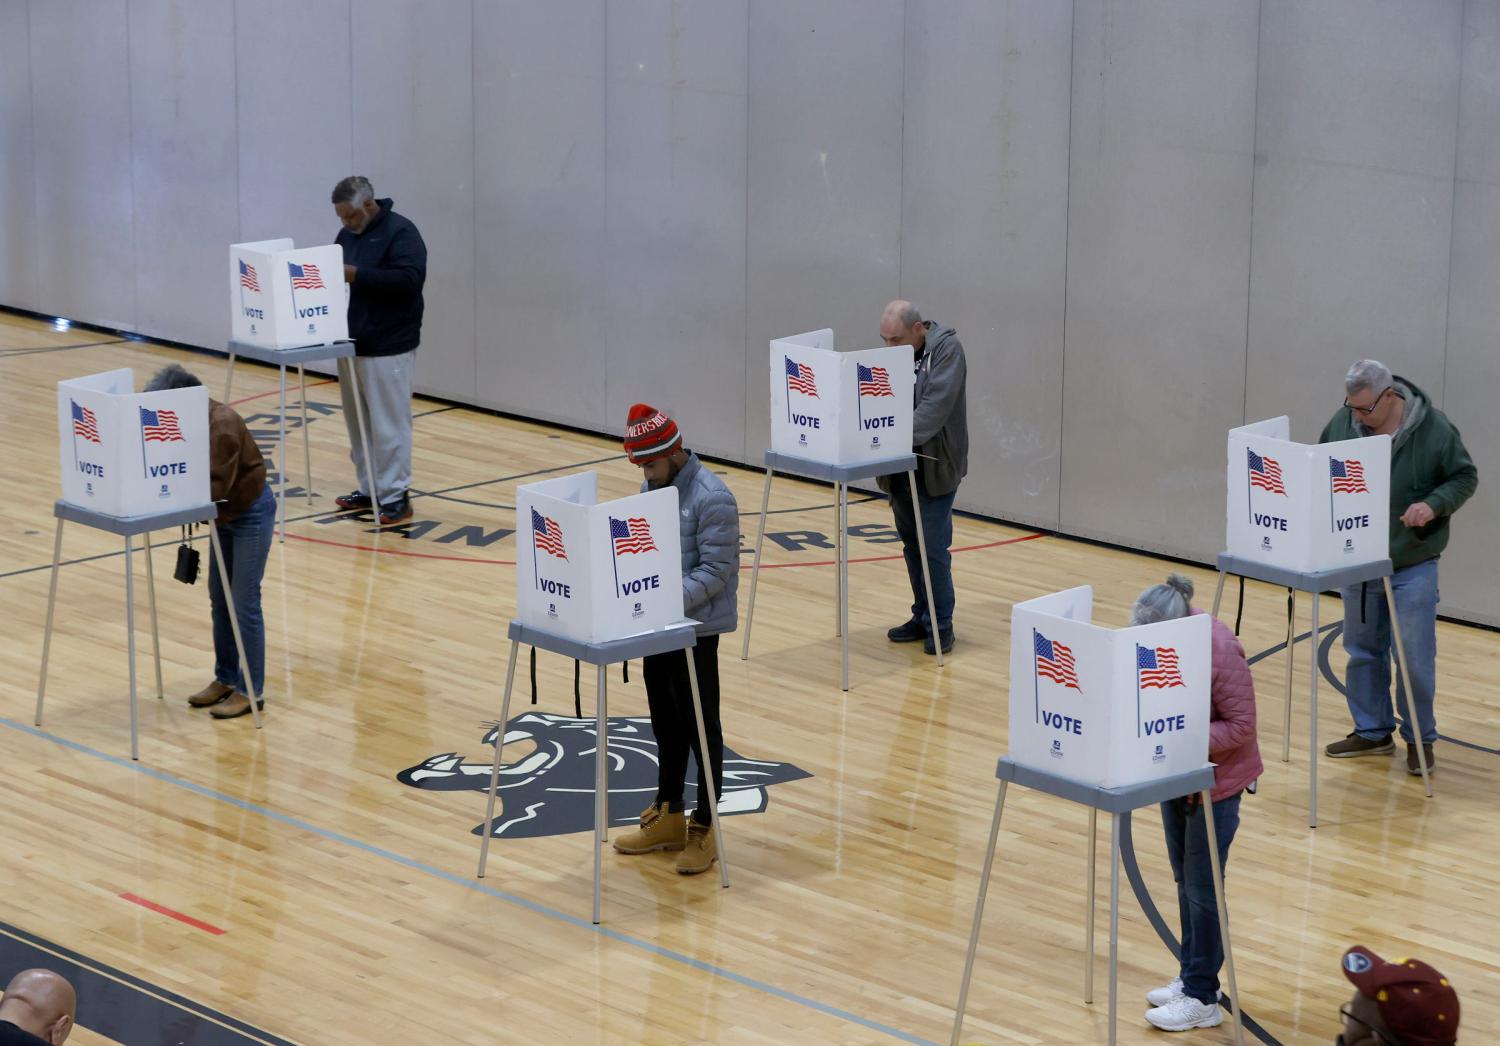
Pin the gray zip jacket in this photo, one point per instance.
(940, 421)
(709, 521)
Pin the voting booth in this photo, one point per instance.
(600, 583)
(838, 417)
(283, 297)
(1112, 720)
(130, 463)
(1308, 518)
(1102, 706)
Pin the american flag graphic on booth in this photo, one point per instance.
(248, 279)
(305, 277)
(873, 381)
(1157, 667)
(1348, 476)
(547, 535)
(84, 423)
(1265, 473)
(799, 377)
(1054, 661)
(160, 426)
(631, 535)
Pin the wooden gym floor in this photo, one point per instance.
(286, 886)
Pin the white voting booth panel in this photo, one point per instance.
(1307, 508)
(283, 298)
(597, 572)
(1107, 707)
(840, 408)
(126, 453)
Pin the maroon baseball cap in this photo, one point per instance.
(1416, 1002)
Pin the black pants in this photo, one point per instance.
(670, 696)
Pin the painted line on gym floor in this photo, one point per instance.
(161, 909)
(469, 884)
(12, 353)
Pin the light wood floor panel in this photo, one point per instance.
(351, 911)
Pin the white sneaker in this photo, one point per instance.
(1162, 996)
(1185, 1012)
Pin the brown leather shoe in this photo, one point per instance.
(1415, 768)
(234, 706)
(210, 695)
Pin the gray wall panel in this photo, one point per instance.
(984, 242)
(414, 139)
(1471, 569)
(295, 114)
(184, 165)
(17, 170)
(675, 156)
(824, 179)
(80, 83)
(1353, 199)
(1158, 234)
(539, 225)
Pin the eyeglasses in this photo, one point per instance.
(1365, 412)
(1347, 1016)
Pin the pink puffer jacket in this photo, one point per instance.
(1231, 731)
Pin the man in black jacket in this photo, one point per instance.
(385, 265)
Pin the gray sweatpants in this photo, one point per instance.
(385, 396)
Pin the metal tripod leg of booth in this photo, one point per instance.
(229, 379)
(489, 810)
(281, 466)
(364, 435)
(1088, 937)
(41, 686)
(839, 582)
(306, 447)
(932, 621)
(1312, 721)
(601, 784)
(760, 540)
(1218, 872)
(984, 886)
(706, 763)
(843, 573)
(1114, 923)
(234, 622)
(1291, 641)
(151, 599)
(135, 730)
(1411, 706)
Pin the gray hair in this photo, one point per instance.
(172, 376)
(1164, 602)
(909, 316)
(355, 189)
(1367, 374)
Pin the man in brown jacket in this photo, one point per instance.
(247, 521)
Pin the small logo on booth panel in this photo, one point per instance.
(549, 790)
(1160, 755)
(1265, 544)
(874, 441)
(1348, 545)
(88, 488)
(166, 491)
(551, 609)
(637, 612)
(802, 438)
(1057, 752)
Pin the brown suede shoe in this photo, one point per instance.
(700, 853)
(210, 695)
(234, 706)
(1413, 767)
(660, 830)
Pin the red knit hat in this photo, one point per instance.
(1416, 1002)
(649, 435)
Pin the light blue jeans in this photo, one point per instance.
(1367, 639)
(247, 542)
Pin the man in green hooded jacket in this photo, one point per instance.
(1431, 476)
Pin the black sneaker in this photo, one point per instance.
(910, 632)
(1354, 745)
(945, 634)
(353, 501)
(398, 511)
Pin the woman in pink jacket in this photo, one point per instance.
(1191, 1000)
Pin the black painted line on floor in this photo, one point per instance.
(6, 354)
(124, 1007)
(435, 410)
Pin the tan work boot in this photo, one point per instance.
(700, 853)
(234, 706)
(660, 830)
(210, 695)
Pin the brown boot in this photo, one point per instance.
(700, 853)
(234, 706)
(210, 695)
(1415, 768)
(660, 830)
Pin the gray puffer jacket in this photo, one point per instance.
(709, 521)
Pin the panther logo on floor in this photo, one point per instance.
(550, 790)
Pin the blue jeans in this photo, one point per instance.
(247, 542)
(1187, 848)
(937, 531)
(1367, 639)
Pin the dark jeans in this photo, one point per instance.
(247, 542)
(937, 531)
(1187, 848)
(670, 697)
